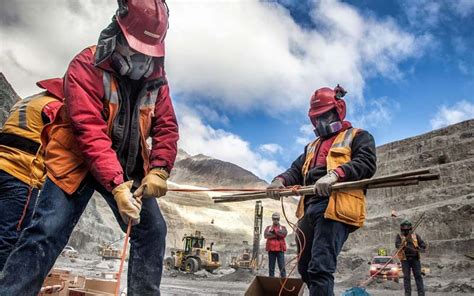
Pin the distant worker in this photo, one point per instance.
(22, 170)
(339, 153)
(410, 257)
(276, 246)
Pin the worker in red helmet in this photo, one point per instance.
(116, 97)
(339, 153)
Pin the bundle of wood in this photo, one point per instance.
(395, 180)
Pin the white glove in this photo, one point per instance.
(277, 183)
(322, 187)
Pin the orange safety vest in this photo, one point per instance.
(347, 205)
(20, 143)
(65, 164)
(401, 254)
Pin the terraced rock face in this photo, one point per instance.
(227, 225)
(448, 204)
(8, 97)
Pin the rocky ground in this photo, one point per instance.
(8, 97)
(227, 281)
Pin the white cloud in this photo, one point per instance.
(232, 54)
(271, 148)
(446, 115)
(268, 62)
(463, 7)
(306, 134)
(197, 137)
(221, 55)
(39, 38)
(377, 112)
(423, 13)
(428, 14)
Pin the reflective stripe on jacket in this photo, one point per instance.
(20, 144)
(80, 140)
(346, 206)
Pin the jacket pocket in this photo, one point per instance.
(62, 155)
(338, 156)
(349, 206)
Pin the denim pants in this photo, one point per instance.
(16, 210)
(324, 241)
(276, 256)
(412, 264)
(55, 216)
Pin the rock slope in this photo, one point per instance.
(8, 98)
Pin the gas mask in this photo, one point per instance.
(128, 62)
(326, 124)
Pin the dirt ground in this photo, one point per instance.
(227, 282)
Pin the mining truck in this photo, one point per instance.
(107, 251)
(194, 256)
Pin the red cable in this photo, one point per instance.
(301, 245)
(122, 259)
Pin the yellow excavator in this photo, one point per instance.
(194, 256)
(244, 260)
(249, 259)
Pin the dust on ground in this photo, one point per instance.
(227, 281)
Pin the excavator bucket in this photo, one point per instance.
(271, 286)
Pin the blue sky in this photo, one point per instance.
(242, 72)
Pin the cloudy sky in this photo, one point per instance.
(241, 72)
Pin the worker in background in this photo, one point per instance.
(276, 245)
(22, 170)
(339, 153)
(116, 96)
(409, 255)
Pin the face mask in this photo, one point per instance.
(128, 62)
(326, 124)
(405, 232)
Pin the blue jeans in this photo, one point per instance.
(408, 265)
(16, 210)
(276, 256)
(56, 215)
(324, 241)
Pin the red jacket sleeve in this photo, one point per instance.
(164, 132)
(282, 232)
(83, 90)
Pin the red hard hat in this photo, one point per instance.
(144, 24)
(326, 99)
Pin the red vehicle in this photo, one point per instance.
(390, 272)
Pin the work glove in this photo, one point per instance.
(128, 206)
(153, 185)
(277, 183)
(322, 187)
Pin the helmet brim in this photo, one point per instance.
(154, 49)
(320, 111)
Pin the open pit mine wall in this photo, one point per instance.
(8, 98)
(447, 203)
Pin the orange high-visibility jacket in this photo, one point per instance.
(20, 144)
(346, 206)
